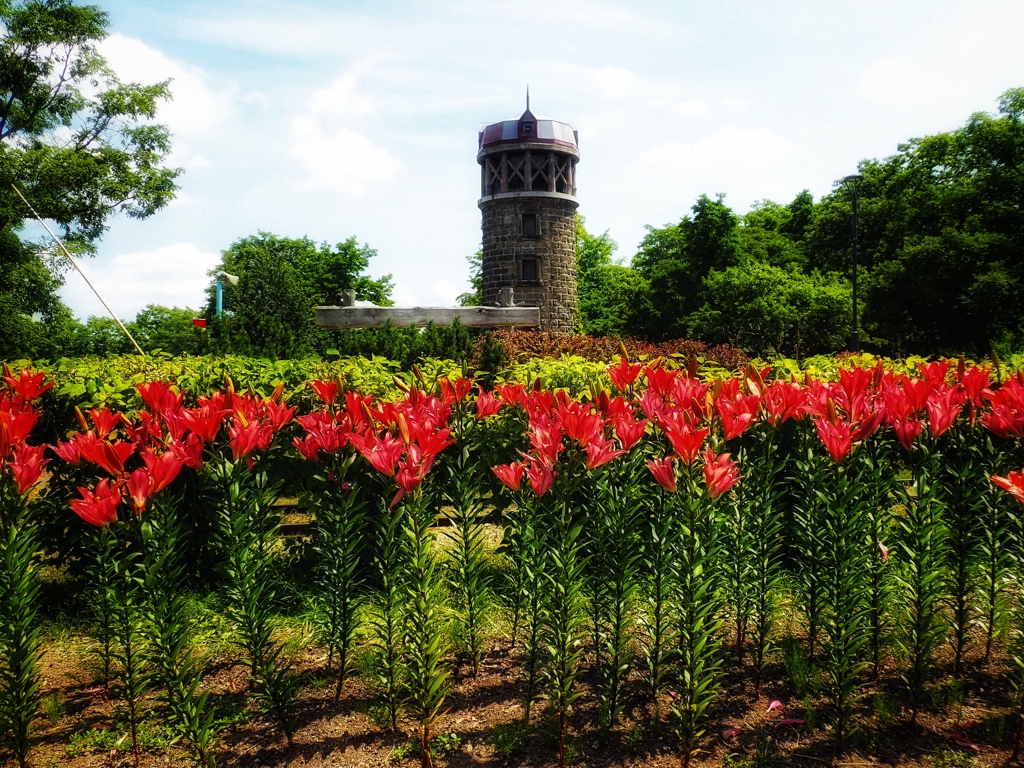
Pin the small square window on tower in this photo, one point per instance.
(528, 271)
(531, 225)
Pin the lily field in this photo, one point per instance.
(653, 562)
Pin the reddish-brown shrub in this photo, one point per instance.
(523, 345)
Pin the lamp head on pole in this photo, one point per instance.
(853, 182)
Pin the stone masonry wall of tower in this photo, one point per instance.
(528, 216)
(505, 248)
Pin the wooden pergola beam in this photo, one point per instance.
(472, 317)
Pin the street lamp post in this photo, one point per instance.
(852, 183)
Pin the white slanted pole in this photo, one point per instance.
(75, 265)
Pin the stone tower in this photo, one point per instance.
(528, 206)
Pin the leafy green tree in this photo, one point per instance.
(102, 337)
(167, 328)
(475, 296)
(614, 300)
(592, 251)
(675, 259)
(765, 308)
(280, 280)
(941, 234)
(82, 146)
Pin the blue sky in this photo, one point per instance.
(332, 119)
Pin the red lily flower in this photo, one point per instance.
(652, 405)
(308, 446)
(934, 372)
(546, 439)
(327, 391)
(109, 456)
(1004, 421)
(623, 374)
(277, 414)
(686, 441)
(694, 397)
(382, 452)
(97, 508)
(540, 402)
(190, 452)
(600, 452)
(836, 438)
(906, 430)
(454, 392)
(629, 431)
(720, 472)
(1013, 483)
(26, 466)
(205, 420)
(943, 407)
(918, 391)
(147, 428)
(512, 394)
(663, 472)
(540, 478)
(20, 421)
(104, 421)
(580, 423)
(163, 467)
(27, 386)
(783, 400)
(737, 414)
(510, 474)
(140, 489)
(974, 382)
(660, 380)
(71, 451)
(245, 437)
(854, 382)
(152, 394)
(486, 404)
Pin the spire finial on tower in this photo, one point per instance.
(527, 97)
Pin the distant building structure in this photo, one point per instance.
(528, 215)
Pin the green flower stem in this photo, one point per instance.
(697, 586)
(175, 669)
(759, 495)
(923, 545)
(844, 618)
(339, 543)
(426, 626)
(19, 625)
(566, 617)
(247, 528)
(386, 625)
(468, 551)
(618, 519)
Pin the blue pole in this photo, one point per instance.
(220, 298)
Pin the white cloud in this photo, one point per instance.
(172, 275)
(197, 106)
(615, 81)
(730, 148)
(333, 155)
(693, 108)
(895, 81)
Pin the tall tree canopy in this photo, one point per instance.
(81, 145)
(612, 298)
(280, 279)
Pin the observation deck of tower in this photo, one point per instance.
(528, 215)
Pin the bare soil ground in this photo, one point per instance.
(78, 726)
